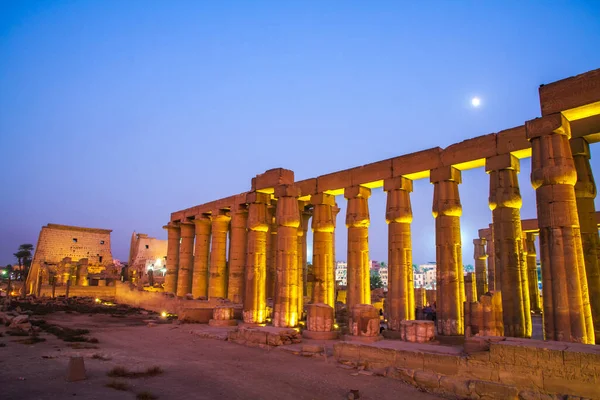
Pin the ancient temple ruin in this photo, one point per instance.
(267, 227)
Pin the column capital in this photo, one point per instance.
(286, 190)
(502, 161)
(322, 198)
(353, 192)
(172, 226)
(547, 125)
(258, 197)
(220, 215)
(398, 183)
(447, 173)
(479, 242)
(580, 147)
(201, 220)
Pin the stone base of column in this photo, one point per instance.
(362, 339)
(222, 322)
(331, 335)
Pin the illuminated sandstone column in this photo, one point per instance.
(401, 296)
(186, 248)
(271, 250)
(511, 270)
(217, 281)
(285, 305)
(255, 300)
(357, 221)
(567, 313)
(201, 252)
(173, 237)
(491, 253)
(450, 279)
(480, 266)
(335, 210)
(585, 193)
(302, 230)
(532, 274)
(237, 253)
(322, 261)
(470, 287)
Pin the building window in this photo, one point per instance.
(74, 240)
(100, 259)
(102, 242)
(147, 246)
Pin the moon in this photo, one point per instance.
(475, 101)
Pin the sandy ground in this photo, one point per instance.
(195, 368)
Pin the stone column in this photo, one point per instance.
(237, 253)
(302, 230)
(271, 250)
(217, 282)
(335, 210)
(255, 300)
(186, 260)
(480, 266)
(201, 252)
(449, 273)
(532, 274)
(357, 221)
(322, 261)
(567, 312)
(505, 203)
(173, 238)
(285, 305)
(401, 295)
(490, 251)
(471, 287)
(585, 193)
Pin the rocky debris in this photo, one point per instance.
(32, 305)
(264, 337)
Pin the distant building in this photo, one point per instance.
(147, 253)
(383, 274)
(424, 276)
(341, 273)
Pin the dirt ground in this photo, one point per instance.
(194, 368)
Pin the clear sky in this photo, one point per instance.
(113, 114)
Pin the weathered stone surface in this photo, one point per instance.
(364, 320)
(319, 317)
(357, 221)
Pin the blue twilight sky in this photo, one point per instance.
(115, 113)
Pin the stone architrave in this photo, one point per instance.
(322, 262)
(201, 254)
(567, 312)
(255, 301)
(186, 259)
(532, 273)
(511, 270)
(272, 250)
(585, 193)
(302, 252)
(449, 273)
(357, 222)
(480, 266)
(401, 297)
(173, 238)
(217, 281)
(285, 305)
(237, 253)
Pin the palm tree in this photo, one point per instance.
(23, 256)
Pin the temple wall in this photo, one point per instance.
(511, 369)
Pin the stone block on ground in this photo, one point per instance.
(364, 320)
(196, 315)
(76, 369)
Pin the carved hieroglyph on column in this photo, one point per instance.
(255, 300)
(173, 236)
(401, 296)
(237, 253)
(217, 281)
(585, 193)
(271, 250)
(450, 279)
(357, 221)
(480, 266)
(285, 305)
(511, 271)
(201, 251)
(567, 313)
(322, 261)
(532, 274)
(186, 248)
(302, 230)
